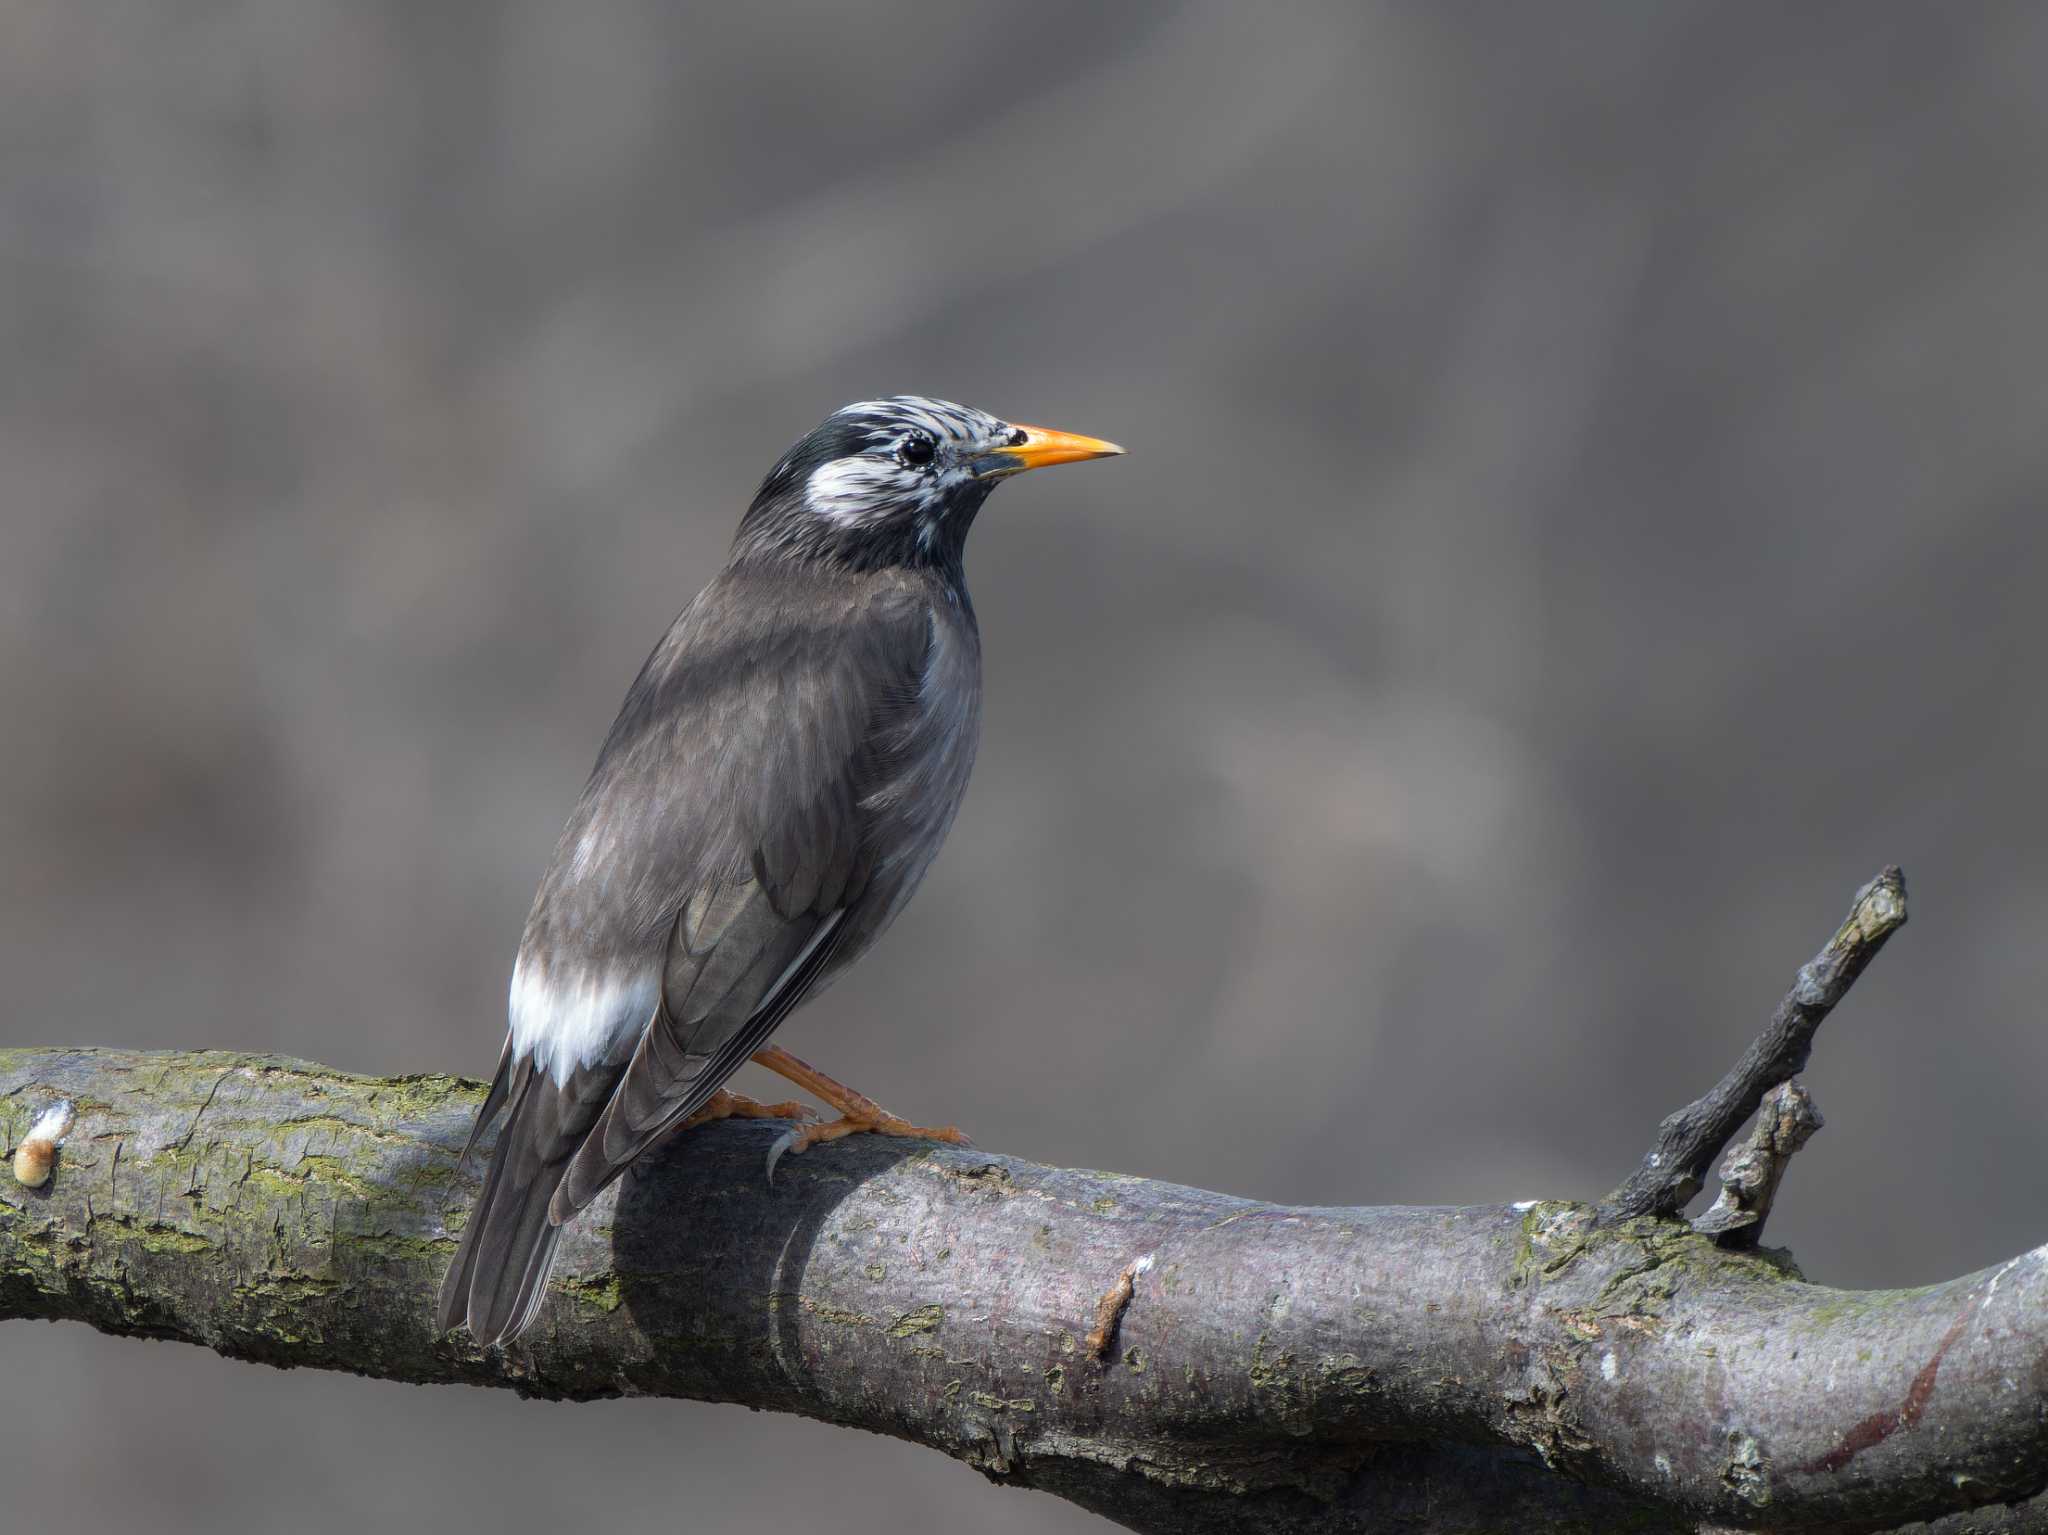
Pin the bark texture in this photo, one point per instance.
(1534, 1367)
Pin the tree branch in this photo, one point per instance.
(1688, 1141)
(1541, 1367)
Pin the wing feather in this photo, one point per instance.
(502, 1259)
(673, 1083)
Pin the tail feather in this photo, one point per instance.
(514, 1253)
(494, 1102)
(499, 1274)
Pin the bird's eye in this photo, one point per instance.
(1018, 436)
(917, 450)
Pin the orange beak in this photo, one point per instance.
(1043, 447)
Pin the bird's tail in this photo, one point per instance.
(500, 1271)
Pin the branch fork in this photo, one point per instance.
(1675, 1168)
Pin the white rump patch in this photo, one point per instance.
(579, 1018)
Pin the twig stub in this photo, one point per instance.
(37, 1153)
(1109, 1311)
(1688, 1141)
(1753, 1171)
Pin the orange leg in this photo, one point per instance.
(858, 1113)
(725, 1105)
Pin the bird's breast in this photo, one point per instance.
(931, 754)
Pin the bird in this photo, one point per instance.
(777, 782)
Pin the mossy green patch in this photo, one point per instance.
(1004, 1404)
(156, 1237)
(392, 1247)
(839, 1316)
(605, 1292)
(924, 1319)
(339, 1174)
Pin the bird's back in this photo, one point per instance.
(820, 723)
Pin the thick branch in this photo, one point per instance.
(1273, 1368)
(1688, 1141)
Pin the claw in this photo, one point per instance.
(858, 1114)
(783, 1143)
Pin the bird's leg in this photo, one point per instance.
(858, 1113)
(725, 1105)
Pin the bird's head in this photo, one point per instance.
(896, 481)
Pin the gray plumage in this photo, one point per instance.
(780, 777)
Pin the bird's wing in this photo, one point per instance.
(711, 872)
(762, 964)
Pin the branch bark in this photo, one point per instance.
(1544, 1367)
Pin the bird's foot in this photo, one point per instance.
(858, 1113)
(725, 1105)
(803, 1137)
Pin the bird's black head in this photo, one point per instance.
(896, 482)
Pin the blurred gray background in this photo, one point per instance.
(1584, 515)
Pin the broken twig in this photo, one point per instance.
(1688, 1141)
(1109, 1311)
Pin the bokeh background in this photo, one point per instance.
(1584, 515)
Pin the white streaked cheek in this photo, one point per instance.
(852, 490)
(574, 1019)
(855, 491)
